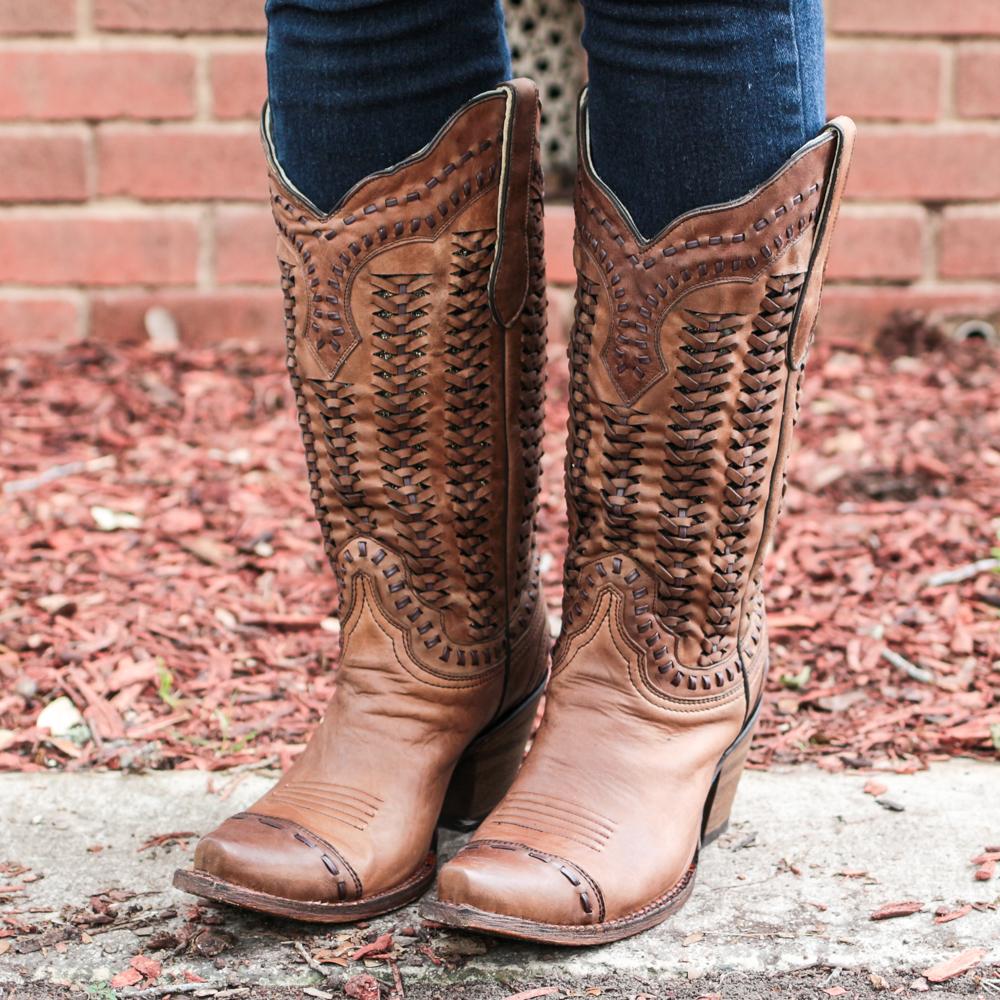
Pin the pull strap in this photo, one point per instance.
(508, 283)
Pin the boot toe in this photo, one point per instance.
(276, 857)
(515, 881)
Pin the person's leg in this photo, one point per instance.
(356, 86)
(695, 103)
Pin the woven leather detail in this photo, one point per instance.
(401, 387)
(337, 409)
(330, 338)
(530, 412)
(760, 397)
(620, 461)
(471, 430)
(313, 472)
(632, 351)
(581, 504)
(400, 368)
(679, 369)
(700, 388)
(429, 636)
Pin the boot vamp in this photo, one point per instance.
(605, 816)
(365, 795)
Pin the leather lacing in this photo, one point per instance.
(437, 406)
(756, 420)
(704, 439)
(470, 436)
(399, 349)
(582, 507)
(337, 409)
(624, 429)
(316, 493)
(696, 415)
(532, 387)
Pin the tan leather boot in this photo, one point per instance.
(416, 347)
(686, 360)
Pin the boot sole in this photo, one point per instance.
(203, 884)
(480, 779)
(715, 822)
(470, 918)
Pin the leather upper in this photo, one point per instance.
(685, 363)
(415, 333)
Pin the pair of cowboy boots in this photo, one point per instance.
(415, 328)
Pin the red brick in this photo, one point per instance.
(86, 84)
(969, 243)
(977, 81)
(243, 315)
(877, 245)
(914, 17)
(165, 163)
(181, 16)
(859, 313)
(901, 82)
(559, 227)
(905, 162)
(239, 84)
(37, 17)
(40, 167)
(39, 323)
(244, 247)
(74, 249)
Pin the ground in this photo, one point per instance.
(783, 903)
(165, 611)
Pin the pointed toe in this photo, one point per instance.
(275, 857)
(513, 881)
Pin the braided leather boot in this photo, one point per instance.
(416, 346)
(686, 360)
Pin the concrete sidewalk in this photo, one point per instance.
(783, 900)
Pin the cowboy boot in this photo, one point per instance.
(415, 317)
(686, 360)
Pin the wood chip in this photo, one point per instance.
(202, 522)
(945, 916)
(903, 909)
(380, 946)
(986, 871)
(955, 966)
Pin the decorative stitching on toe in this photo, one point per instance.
(563, 865)
(335, 866)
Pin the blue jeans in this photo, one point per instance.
(691, 103)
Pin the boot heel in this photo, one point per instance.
(719, 804)
(488, 767)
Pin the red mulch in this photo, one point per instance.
(195, 633)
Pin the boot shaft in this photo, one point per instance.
(686, 357)
(415, 332)
(686, 360)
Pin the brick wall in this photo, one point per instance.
(922, 77)
(130, 171)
